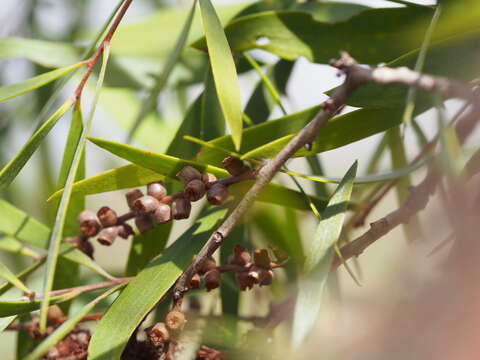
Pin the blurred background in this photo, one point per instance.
(371, 321)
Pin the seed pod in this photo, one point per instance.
(188, 174)
(212, 279)
(234, 165)
(266, 277)
(181, 209)
(108, 235)
(158, 334)
(157, 190)
(175, 320)
(194, 190)
(162, 214)
(133, 195)
(144, 223)
(194, 282)
(254, 274)
(241, 256)
(107, 216)
(89, 225)
(125, 230)
(217, 194)
(208, 264)
(261, 258)
(146, 204)
(82, 244)
(243, 280)
(208, 180)
(54, 315)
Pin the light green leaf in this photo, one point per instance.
(7, 275)
(329, 12)
(319, 258)
(4, 322)
(224, 71)
(68, 326)
(57, 231)
(153, 282)
(78, 257)
(7, 286)
(46, 53)
(11, 91)
(11, 170)
(9, 308)
(12, 245)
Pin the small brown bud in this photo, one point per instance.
(108, 235)
(208, 264)
(194, 282)
(266, 277)
(144, 223)
(125, 230)
(54, 315)
(157, 190)
(158, 334)
(181, 209)
(254, 274)
(162, 214)
(146, 204)
(212, 279)
(187, 174)
(89, 225)
(82, 244)
(175, 320)
(234, 165)
(243, 280)
(261, 258)
(194, 190)
(217, 194)
(133, 195)
(208, 180)
(241, 256)
(107, 216)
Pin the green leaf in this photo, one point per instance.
(11, 170)
(9, 308)
(7, 286)
(45, 53)
(11, 91)
(224, 71)
(7, 275)
(4, 322)
(57, 231)
(329, 12)
(319, 259)
(148, 287)
(12, 245)
(68, 326)
(78, 257)
(385, 34)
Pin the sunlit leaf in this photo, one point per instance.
(9, 308)
(24, 273)
(7, 275)
(12, 245)
(4, 322)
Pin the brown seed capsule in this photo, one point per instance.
(144, 223)
(266, 277)
(162, 214)
(208, 264)
(54, 315)
(175, 320)
(125, 230)
(188, 174)
(194, 282)
(108, 235)
(243, 280)
(158, 334)
(234, 165)
(212, 279)
(181, 209)
(241, 256)
(217, 194)
(194, 190)
(254, 274)
(89, 225)
(261, 258)
(133, 195)
(157, 190)
(107, 216)
(146, 204)
(82, 244)
(208, 180)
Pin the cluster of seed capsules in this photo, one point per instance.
(156, 207)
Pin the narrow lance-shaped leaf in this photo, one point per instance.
(4, 322)
(12, 245)
(224, 71)
(67, 326)
(11, 91)
(57, 231)
(319, 258)
(7, 286)
(7, 275)
(148, 287)
(10, 171)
